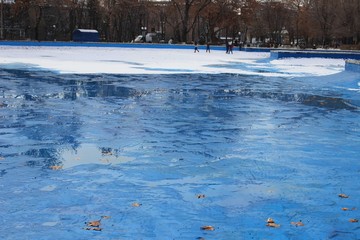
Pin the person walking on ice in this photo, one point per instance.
(208, 47)
(231, 46)
(196, 49)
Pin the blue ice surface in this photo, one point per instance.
(256, 147)
(352, 65)
(315, 54)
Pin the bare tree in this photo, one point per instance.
(35, 11)
(188, 12)
(222, 19)
(276, 15)
(324, 16)
(297, 11)
(348, 24)
(94, 14)
(250, 18)
(20, 16)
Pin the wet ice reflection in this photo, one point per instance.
(90, 154)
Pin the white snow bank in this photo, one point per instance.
(93, 60)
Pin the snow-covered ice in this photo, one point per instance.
(93, 60)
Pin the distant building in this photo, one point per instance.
(85, 35)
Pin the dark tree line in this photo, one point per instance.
(322, 22)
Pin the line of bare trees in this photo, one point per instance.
(321, 22)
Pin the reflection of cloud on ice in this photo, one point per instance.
(91, 154)
(157, 61)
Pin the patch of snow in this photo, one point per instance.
(86, 60)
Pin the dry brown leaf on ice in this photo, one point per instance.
(55, 167)
(136, 204)
(297, 224)
(274, 225)
(353, 220)
(348, 209)
(208, 228)
(94, 223)
(271, 223)
(342, 195)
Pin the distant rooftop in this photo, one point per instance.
(87, 30)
